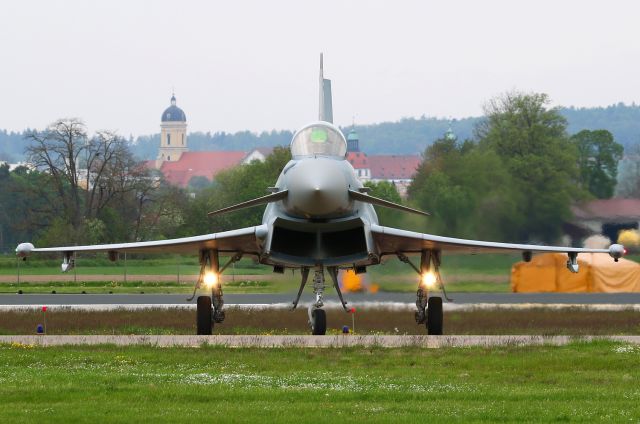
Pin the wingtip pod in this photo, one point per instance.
(24, 249)
(616, 251)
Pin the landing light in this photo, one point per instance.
(211, 279)
(429, 279)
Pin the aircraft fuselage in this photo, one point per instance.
(318, 223)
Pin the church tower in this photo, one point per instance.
(173, 134)
(353, 141)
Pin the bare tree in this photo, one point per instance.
(89, 173)
(113, 172)
(57, 150)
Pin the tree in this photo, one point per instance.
(466, 189)
(233, 186)
(57, 150)
(531, 141)
(95, 177)
(387, 191)
(28, 204)
(629, 180)
(598, 157)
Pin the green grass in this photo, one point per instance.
(579, 382)
(132, 287)
(492, 264)
(461, 273)
(139, 269)
(99, 265)
(409, 285)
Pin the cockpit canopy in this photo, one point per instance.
(319, 139)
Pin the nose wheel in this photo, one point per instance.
(318, 321)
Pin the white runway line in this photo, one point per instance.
(393, 306)
(339, 341)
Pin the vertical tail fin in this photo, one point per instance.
(326, 104)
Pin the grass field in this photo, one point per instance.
(494, 264)
(540, 321)
(133, 287)
(461, 273)
(277, 284)
(102, 266)
(594, 382)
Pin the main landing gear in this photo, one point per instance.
(317, 315)
(210, 309)
(429, 308)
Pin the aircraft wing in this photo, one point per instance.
(244, 240)
(390, 241)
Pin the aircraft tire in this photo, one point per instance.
(434, 316)
(205, 314)
(318, 322)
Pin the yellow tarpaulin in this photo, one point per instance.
(598, 273)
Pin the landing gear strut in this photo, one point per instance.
(210, 309)
(317, 315)
(428, 308)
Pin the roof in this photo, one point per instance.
(173, 113)
(358, 160)
(255, 154)
(394, 167)
(610, 209)
(149, 164)
(266, 151)
(353, 135)
(199, 164)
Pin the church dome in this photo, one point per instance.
(353, 135)
(173, 113)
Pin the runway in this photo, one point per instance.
(355, 298)
(392, 301)
(338, 341)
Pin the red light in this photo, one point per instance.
(352, 310)
(624, 252)
(44, 309)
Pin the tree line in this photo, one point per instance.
(407, 136)
(513, 179)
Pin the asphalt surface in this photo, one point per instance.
(280, 298)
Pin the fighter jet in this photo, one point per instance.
(318, 217)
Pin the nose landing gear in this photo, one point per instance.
(317, 315)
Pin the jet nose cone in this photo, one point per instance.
(317, 188)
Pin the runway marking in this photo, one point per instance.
(339, 341)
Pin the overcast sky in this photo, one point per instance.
(254, 64)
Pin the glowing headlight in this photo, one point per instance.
(429, 279)
(210, 279)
